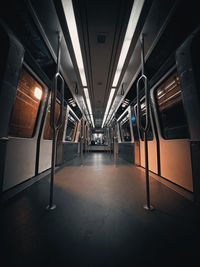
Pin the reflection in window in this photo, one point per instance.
(26, 107)
(125, 129)
(99, 139)
(135, 130)
(143, 122)
(171, 112)
(48, 133)
(71, 129)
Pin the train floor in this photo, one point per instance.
(99, 220)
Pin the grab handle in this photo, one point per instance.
(143, 78)
(60, 119)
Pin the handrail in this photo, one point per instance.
(144, 128)
(57, 125)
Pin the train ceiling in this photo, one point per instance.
(101, 29)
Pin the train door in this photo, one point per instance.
(125, 129)
(24, 125)
(45, 144)
(175, 162)
(125, 136)
(70, 140)
(152, 142)
(71, 126)
(135, 138)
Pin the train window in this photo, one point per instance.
(125, 129)
(135, 130)
(26, 107)
(171, 112)
(71, 129)
(143, 121)
(119, 133)
(48, 133)
(4, 52)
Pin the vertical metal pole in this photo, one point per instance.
(82, 149)
(55, 125)
(147, 205)
(110, 147)
(145, 128)
(82, 137)
(52, 206)
(142, 52)
(115, 150)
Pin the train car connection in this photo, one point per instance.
(99, 126)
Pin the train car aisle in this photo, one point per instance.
(99, 220)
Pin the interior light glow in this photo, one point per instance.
(92, 121)
(133, 118)
(108, 106)
(86, 111)
(71, 23)
(38, 93)
(88, 104)
(134, 17)
(87, 100)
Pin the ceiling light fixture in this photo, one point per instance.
(71, 23)
(85, 110)
(108, 105)
(133, 20)
(88, 104)
(38, 93)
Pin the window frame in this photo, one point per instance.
(151, 121)
(77, 128)
(155, 104)
(38, 121)
(127, 113)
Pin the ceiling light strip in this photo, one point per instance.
(71, 23)
(88, 105)
(108, 105)
(133, 20)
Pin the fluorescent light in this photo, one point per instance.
(133, 20)
(88, 104)
(87, 100)
(85, 110)
(38, 93)
(108, 106)
(71, 23)
(92, 121)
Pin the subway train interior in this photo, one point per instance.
(99, 133)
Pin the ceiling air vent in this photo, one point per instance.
(101, 38)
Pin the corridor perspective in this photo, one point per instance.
(99, 220)
(99, 133)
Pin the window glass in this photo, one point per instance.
(71, 129)
(26, 107)
(119, 132)
(48, 133)
(170, 107)
(125, 129)
(61, 131)
(143, 122)
(135, 130)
